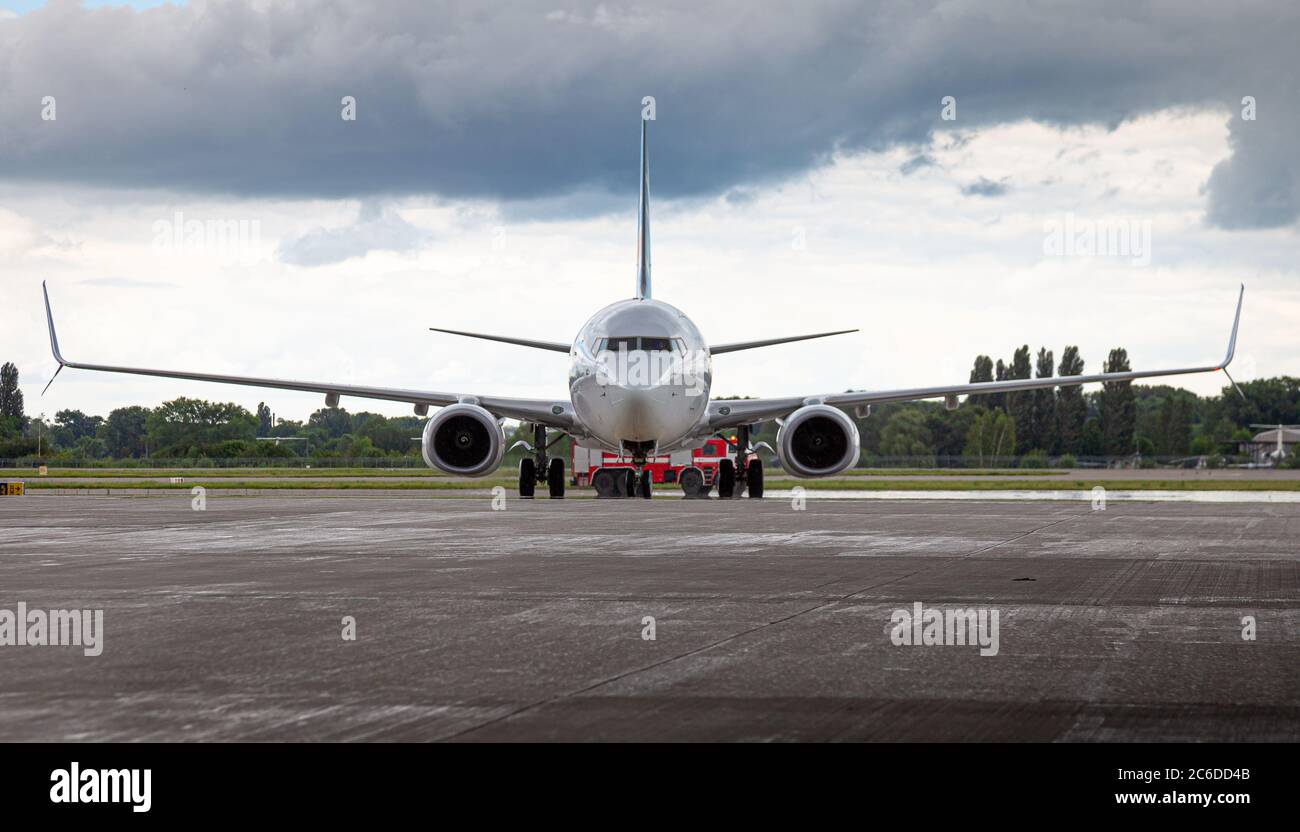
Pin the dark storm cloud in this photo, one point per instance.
(507, 101)
(984, 187)
(912, 165)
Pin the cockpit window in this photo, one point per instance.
(648, 343)
(616, 344)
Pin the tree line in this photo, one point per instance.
(195, 429)
(1119, 419)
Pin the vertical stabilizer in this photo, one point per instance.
(643, 222)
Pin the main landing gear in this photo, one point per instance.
(539, 469)
(742, 474)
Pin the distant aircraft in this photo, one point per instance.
(639, 379)
(1279, 453)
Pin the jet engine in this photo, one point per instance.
(817, 441)
(465, 440)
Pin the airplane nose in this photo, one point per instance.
(637, 412)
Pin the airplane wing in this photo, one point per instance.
(731, 413)
(552, 413)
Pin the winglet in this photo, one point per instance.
(1232, 343)
(49, 319)
(54, 339)
(1232, 340)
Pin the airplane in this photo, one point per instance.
(1279, 453)
(640, 373)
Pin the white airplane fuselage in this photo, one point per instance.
(640, 373)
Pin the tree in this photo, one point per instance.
(1175, 425)
(358, 447)
(263, 419)
(394, 435)
(1118, 411)
(1092, 443)
(981, 372)
(949, 427)
(334, 421)
(992, 435)
(1071, 408)
(286, 427)
(1043, 408)
(1020, 406)
(183, 423)
(999, 400)
(89, 447)
(125, 430)
(1267, 401)
(906, 435)
(11, 398)
(71, 425)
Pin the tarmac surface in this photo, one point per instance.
(106, 477)
(530, 623)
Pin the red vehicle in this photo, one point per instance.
(584, 462)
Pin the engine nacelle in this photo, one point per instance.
(817, 441)
(465, 440)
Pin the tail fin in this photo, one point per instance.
(643, 222)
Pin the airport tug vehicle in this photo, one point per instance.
(696, 471)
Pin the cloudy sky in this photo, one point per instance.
(809, 172)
